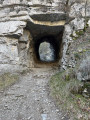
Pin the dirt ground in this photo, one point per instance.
(29, 98)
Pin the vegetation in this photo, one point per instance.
(68, 92)
(7, 79)
(79, 33)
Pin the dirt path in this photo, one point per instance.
(29, 99)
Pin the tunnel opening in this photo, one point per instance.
(47, 49)
(47, 52)
(45, 35)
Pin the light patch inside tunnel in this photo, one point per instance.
(46, 52)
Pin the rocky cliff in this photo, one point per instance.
(23, 22)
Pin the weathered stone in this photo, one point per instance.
(9, 51)
(24, 46)
(40, 18)
(2, 40)
(84, 70)
(88, 8)
(71, 2)
(25, 37)
(88, 23)
(66, 40)
(8, 2)
(5, 68)
(12, 27)
(49, 17)
(77, 10)
(78, 23)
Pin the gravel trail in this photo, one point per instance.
(29, 99)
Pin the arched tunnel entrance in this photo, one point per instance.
(40, 50)
(47, 49)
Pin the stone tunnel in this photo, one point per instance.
(33, 33)
(44, 28)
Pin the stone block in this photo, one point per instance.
(9, 51)
(11, 27)
(25, 37)
(77, 10)
(78, 23)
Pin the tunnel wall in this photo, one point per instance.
(28, 48)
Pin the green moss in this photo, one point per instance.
(86, 26)
(87, 86)
(67, 77)
(7, 79)
(80, 32)
(71, 35)
(75, 38)
(77, 55)
(84, 50)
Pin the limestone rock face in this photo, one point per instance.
(77, 9)
(12, 28)
(79, 21)
(9, 45)
(22, 21)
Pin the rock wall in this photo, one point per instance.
(78, 12)
(17, 18)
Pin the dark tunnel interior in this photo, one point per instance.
(52, 35)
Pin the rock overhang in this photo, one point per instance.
(53, 17)
(46, 24)
(38, 30)
(39, 20)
